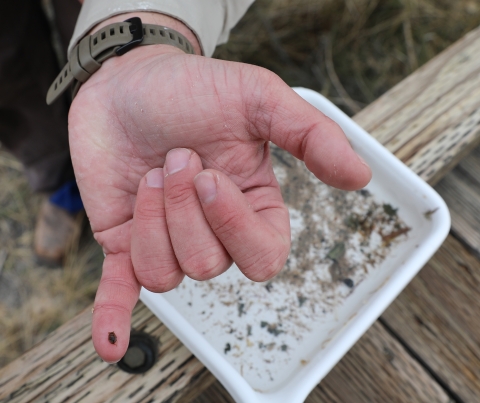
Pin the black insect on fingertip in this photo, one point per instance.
(112, 337)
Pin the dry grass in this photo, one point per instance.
(34, 300)
(352, 51)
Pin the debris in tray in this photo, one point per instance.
(338, 239)
(241, 308)
(337, 252)
(428, 214)
(227, 348)
(387, 239)
(392, 212)
(272, 328)
(301, 300)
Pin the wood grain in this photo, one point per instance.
(461, 191)
(430, 121)
(66, 367)
(438, 317)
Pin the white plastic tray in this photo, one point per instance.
(271, 373)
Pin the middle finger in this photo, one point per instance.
(199, 252)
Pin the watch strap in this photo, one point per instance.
(113, 40)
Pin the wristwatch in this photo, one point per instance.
(112, 40)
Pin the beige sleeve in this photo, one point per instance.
(210, 20)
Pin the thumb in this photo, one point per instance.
(278, 114)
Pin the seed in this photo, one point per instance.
(112, 337)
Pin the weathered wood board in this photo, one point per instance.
(461, 191)
(437, 316)
(430, 121)
(67, 367)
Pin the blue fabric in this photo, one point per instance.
(68, 198)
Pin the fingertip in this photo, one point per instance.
(367, 176)
(177, 160)
(164, 277)
(271, 263)
(335, 163)
(110, 335)
(155, 178)
(358, 175)
(116, 297)
(206, 186)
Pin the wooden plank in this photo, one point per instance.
(461, 191)
(432, 118)
(437, 316)
(376, 369)
(66, 366)
(462, 195)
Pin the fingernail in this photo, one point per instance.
(206, 187)
(155, 178)
(362, 160)
(110, 362)
(177, 159)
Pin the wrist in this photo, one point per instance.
(118, 36)
(157, 19)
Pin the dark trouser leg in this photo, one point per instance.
(34, 132)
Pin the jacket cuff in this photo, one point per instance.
(209, 20)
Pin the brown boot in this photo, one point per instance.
(55, 232)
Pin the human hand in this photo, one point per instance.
(142, 117)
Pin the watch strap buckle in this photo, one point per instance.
(136, 29)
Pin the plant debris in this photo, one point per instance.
(389, 210)
(227, 348)
(387, 239)
(428, 214)
(337, 252)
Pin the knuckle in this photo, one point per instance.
(179, 196)
(157, 275)
(149, 209)
(206, 264)
(110, 306)
(227, 225)
(162, 283)
(268, 265)
(119, 284)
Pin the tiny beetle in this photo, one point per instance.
(112, 337)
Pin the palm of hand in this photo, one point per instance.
(123, 123)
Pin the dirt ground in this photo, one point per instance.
(351, 51)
